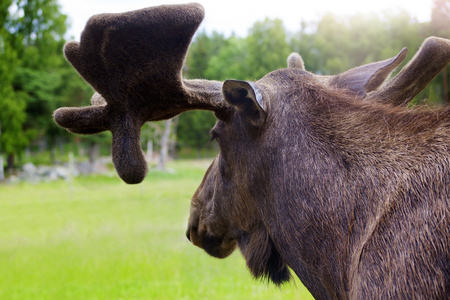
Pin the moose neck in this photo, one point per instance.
(322, 222)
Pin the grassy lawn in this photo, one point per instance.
(98, 238)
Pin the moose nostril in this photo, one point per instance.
(188, 234)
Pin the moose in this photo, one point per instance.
(332, 177)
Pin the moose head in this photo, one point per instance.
(317, 173)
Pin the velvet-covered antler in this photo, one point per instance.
(432, 57)
(367, 81)
(367, 78)
(134, 61)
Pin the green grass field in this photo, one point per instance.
(98, 238)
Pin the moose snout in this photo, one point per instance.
(192, 231)
(217, 246)
(194, 236)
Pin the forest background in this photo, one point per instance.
(35, 78)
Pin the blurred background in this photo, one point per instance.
(236, 41)
(70, 229)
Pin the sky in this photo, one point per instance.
(237, 16)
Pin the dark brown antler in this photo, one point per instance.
(367, 78)
(365, 81)
(432, 57)
(134, 61)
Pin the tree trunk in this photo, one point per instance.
(94, 150)
(10, 162)
(53, 155)
(173, 140)
(149, 150)
(165, 139)
(27, 153)
(2, 171)
(43, 144)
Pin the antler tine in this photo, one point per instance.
(432, 57)
(367, 78)
(134, 61)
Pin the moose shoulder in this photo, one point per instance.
(330, 176)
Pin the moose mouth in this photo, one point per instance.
(219, 247)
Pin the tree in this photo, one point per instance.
(268, 48)
(165, 140)
(30, 45)
(202, 62)
(193, 129)
(230, 61)
(302, 42)
(40, 27)
(202, 49)
(12, 104)
(341, 43)
(35, 78)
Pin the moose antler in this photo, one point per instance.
(134, 61)
(367, 78)
(432, 57)
(365, 81)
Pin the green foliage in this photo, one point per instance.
(35, 79)
(218, 58)
(330, 46)
(12, 115)
(39, 27)
(193, 129)
(31, 65)
(229, 61)
(215, 57)
(268, 48)
(12, 118)
(99, 238)
(202, 49)
(342, 43)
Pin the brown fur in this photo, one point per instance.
(355, 201)
(352, 195)
(127, 58)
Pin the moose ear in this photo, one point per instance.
(364, 79)
(247, 99)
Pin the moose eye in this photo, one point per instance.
(213, 136)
